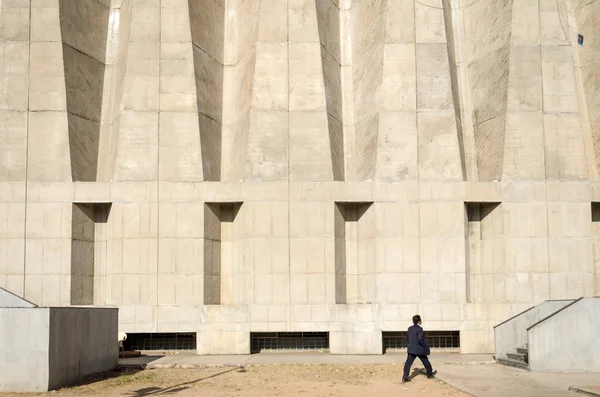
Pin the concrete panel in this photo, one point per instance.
(357, 342)
(82, 341)
(567, 340)
(24, 348)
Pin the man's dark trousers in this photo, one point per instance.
(409, 362)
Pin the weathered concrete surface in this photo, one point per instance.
(162, 106)
(24, 346)
(497, 380)
(568, 340)
(82, 342)
(47, 348)
(512, 334)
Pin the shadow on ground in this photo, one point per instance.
(100, 377)
(416, 372)
(155, 391)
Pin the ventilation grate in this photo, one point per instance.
(306, 341)
(160, 341)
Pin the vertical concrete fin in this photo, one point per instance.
(455, 80)
(84, 29)
(489, 29)
(119, 26)
(352, 39)
(582, 16)
(224, 37)
(328, 21)
(478, 37)
(241, 37)
(564, 149)
(207, 23)
(368, 31)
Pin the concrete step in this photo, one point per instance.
(522, 350)
(518, 357)
(513, 363)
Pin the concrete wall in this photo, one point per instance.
(24, 342)
(289, 107)
(512, 334)
(82, 342)
(568, 340)
(47, 348)
(8, 299)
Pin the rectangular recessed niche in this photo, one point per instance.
(354, 253)
(484, 252)
(438, 340)
(271, 341)
(88, 252)
(596, 246)
(220, 262)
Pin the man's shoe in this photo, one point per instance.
(431, 375)
(405, 380)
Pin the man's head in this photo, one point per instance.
(416, 319)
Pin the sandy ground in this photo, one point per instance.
(261, 381)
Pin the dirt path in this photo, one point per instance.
(262, 381)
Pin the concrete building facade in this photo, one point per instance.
(230, 167)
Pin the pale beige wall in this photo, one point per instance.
(279, 153)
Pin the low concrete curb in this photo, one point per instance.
(207, 365)
(584, 390)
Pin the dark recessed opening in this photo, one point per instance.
(436, 339)
(595, 212)
(306, 341)
(476, 212)
(160, 341)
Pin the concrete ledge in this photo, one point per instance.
(588, 391)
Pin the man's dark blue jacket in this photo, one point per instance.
(417, 344)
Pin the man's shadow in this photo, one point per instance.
(416, 372)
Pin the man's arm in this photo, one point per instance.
(421, 338)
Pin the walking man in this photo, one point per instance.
(417, 347)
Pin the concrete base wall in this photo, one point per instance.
(512, 333)
(223, 330)
(223, 342)
(24, 342)
(83, 341)
(44, 349)
(355, 342)
(567, 341)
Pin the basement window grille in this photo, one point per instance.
(435, 339)
(305, 341)
(160, 341)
